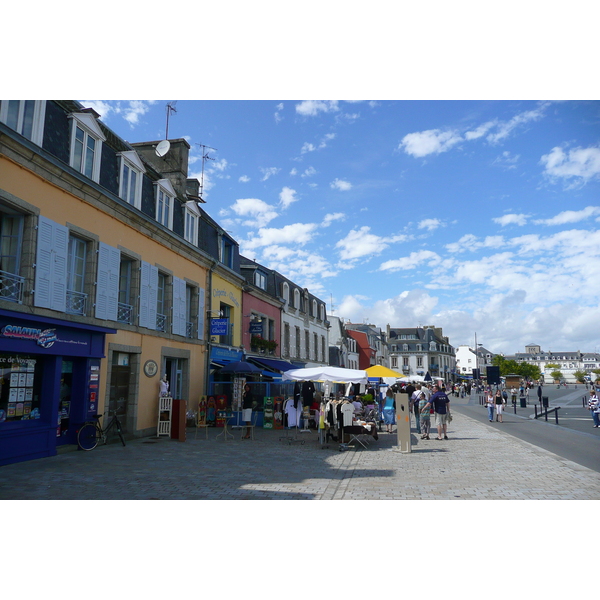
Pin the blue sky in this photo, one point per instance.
(474, 216)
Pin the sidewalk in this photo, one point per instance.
(477, 462)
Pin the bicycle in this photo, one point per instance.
(91, 433)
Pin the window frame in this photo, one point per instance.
(164, 187)
(131, 161)
(86, 123)
(37, 121)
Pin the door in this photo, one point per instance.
(119, 388)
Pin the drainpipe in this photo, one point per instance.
(207, 326)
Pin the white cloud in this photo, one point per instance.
(297, 234)
(307, 147)
(359, 243)
(582, 164)
(412, 261)
(571, 216)
(268, 172)
(512, 219)
(432, 141)
(506, 128)
(429, 224)
(277, 114)
(506, 160)
(479, 131)
(258, 212)
(244, 179)
(309, 172)
(331, 217)
(341, 185)
(294, 171)
(311, 108)
(287, 196)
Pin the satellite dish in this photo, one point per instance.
(163, 148)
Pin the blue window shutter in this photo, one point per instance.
(51, 265)
(178, 320)
(107, 285)
(201, 313)
(148, 295)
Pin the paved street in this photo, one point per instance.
(479, 461)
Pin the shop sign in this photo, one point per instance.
(256, 328)
(43, 337)
(219, 326)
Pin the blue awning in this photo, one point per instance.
(271, 363)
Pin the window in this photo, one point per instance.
(191, 227)
(316, 345)
(227, 252)
(86, 145)
(285, 290)
(322, 312)
(297, 341)
(25, 117)
(21, 398)
(419, 362)
(394, 362)
(307, 344)
(314, 308)
(11, 241)
(286, 339)
(165, 197)
(147, 314)
(226, 314)
(125, 308)
(76, 258)
(130, 180)
(260, 280)
(405, 361)
(297, 299)
(189, 316)
(161, 303)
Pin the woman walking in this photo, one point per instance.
(389, 410)
(489, 403)
(499, 402)
(247, 401)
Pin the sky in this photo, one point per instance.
(480, 217)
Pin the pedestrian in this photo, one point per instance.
(425, 410)
(247, 410)
(489, 404)
(594, 406)
(441, 406)
(414, 405)
(389, 411)
(499, 401)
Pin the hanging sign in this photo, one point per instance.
(219, 326)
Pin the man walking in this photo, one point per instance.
(441, 406)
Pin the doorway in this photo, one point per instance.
(174, 371)
(118, 401)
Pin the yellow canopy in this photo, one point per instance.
(381, 371)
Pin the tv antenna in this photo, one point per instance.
(205, 157)
(170, 109)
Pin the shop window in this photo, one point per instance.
(20, 387)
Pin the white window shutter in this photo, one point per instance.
(51, 265)
(107, 285)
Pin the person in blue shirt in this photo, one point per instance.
(441, 406)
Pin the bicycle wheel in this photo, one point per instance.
(87, 436)
(118, 424)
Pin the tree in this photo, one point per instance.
(552, 366)
(579, 376)
(556, 375)
(529, 371)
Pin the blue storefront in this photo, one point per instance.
(49, 383)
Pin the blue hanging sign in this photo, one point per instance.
(219, 326)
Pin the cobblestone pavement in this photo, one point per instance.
(477, 462)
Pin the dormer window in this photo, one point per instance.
(130, 178)
(25, 117)
(260, 280)
(192, 215)
(286, 292)
(86, 145)
(165, 197)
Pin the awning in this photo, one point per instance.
(271, 363)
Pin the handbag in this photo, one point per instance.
(449, 418)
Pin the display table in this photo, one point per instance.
(226, 418)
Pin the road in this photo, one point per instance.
(574, 438)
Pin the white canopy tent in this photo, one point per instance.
(331, 374)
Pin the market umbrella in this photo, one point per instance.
(240, 367)
(381, 371)
(427, 376)
(334, 374)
